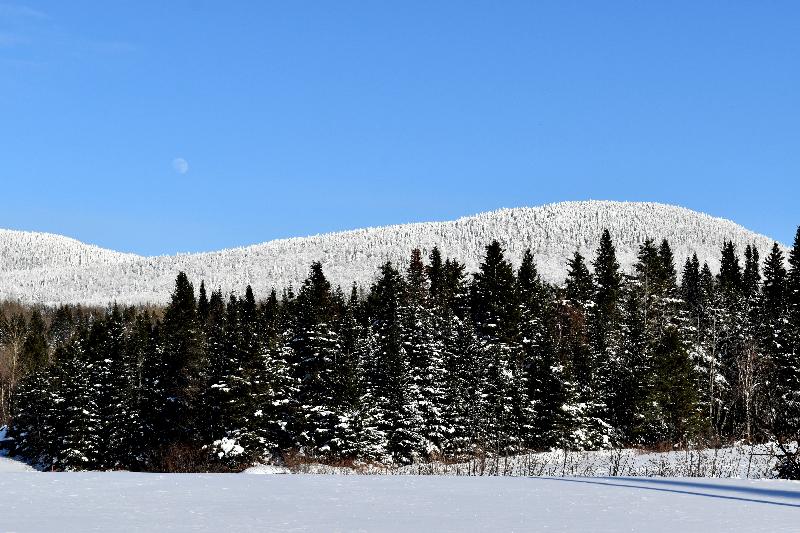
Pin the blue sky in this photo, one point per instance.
(294, 118)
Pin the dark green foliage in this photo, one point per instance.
(182, 356)
(672, 410)
(493, 299)
(35, 351)
(424, 365)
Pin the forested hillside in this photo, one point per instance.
(41, 268)
(428, 361)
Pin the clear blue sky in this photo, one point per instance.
(296, 118)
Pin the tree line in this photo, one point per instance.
(428, 362)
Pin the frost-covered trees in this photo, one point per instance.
(427, 362)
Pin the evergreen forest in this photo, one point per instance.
(429, 362)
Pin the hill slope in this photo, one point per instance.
(48, 268)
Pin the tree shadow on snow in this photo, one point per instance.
(627, 482)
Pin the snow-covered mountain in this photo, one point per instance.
(46, 268)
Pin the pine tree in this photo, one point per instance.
(134, 435)
(578, 426)
(496, 313)
(203, 305)
(730, 341)
(783, 383)
(388, 372)
(37, 427)
(788, 405)
(106, 345)
(181, 346)
(632, 377)
(317, 347)
(793, 295)
(215, 391)
(543, 390)
(493, 300)
(78, 449)
(424, 352)
(729, 279)
(690, 286)
(436, 273)
(579, 288)
(672, 407)
(605, 329)
(35, 351)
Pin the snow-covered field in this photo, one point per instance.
(124, 501)
(119, 501)
(10, 465)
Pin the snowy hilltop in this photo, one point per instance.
(51, 269)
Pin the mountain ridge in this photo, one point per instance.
(50, 268)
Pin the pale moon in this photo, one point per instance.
(180, 165)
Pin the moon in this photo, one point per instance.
(180, 165)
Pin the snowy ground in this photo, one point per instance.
(119, 501)
(11, 465)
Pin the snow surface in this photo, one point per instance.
(46, 268)
(120, 501)
(8, 464)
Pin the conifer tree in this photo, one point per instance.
(105, 348)
(134, 435)
(579, 284)
(203, 305)
(215, 393)
(690, 286)
(782, 384)
(78, 425)
(789, 405)
(543, 388)
(181, 346)
(424, 352)
(730, 341)
(388, 371)
(793, 295)
(496, 314)
(35, 351)
(672, 412)
(317, 347)
(577, 427)
(493, 299)
(605, 329)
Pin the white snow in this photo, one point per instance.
(46, 268)
(120, 501)
(8, 464)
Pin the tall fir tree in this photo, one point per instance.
(182, 353)
(605, 330)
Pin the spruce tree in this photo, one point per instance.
(35, 351)
(493, 300)
(181, 346)
(579, 287)
(672, 414)
(577, 427)
(605, 329)
(789, 407)
(496, 313)
(783, 383)
(730, 348)
(424, 352)
(317, 347)
(388, 372)
(543, 391)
